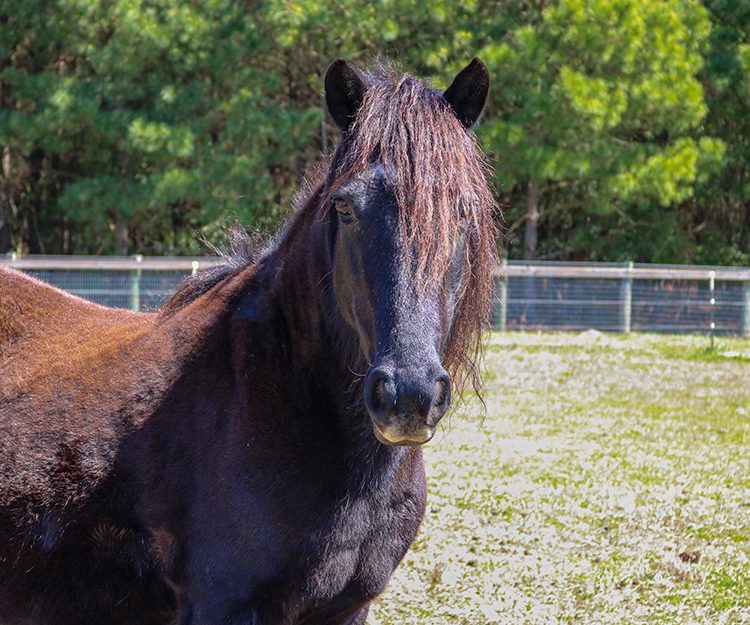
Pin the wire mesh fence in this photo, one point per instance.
(624, 298)
(530, 296)
(119, 289)
(137, 283)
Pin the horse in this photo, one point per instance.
(250, 453)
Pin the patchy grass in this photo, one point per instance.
(608, 482)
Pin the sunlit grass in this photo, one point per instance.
(608, 482)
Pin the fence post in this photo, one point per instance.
(626, 300)
(502, 298)
(135, 285)
(712, 303)
(746, 310)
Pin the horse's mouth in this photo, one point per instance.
(390, 435)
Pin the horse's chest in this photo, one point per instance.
(349, 562)
(365, 543)
(308, 554)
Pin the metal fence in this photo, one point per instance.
(530, 296)
(623, 297)
(135, 282)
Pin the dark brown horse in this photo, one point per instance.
(250, 454)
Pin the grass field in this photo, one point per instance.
(608, 482)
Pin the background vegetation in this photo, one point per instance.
(608, 483)
(618, 129)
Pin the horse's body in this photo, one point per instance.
(215, 462)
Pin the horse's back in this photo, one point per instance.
(44, 330)
(30, 307)
(88, 400)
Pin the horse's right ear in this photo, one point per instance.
(345, 91)
(468, 92)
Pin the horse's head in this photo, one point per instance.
(413, 248)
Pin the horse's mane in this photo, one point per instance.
(440, 180)
(242, 248)
(240, 252)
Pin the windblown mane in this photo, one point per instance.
(239, 254)
(440, 179)
(244, 249)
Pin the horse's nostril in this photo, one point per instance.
(442, 392)
(380, 392)
(405, 399)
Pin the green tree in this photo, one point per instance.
(598, 110)
(126, 122)
(133, 125)
(719, 216)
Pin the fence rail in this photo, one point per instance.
(621, 297)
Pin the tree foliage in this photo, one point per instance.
(598, 106)
(617, 128)
(718, 216)
(130, 124)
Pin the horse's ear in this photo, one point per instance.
(468, 92)
(345, 91)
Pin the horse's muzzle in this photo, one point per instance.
(406, 405)
(389, 435)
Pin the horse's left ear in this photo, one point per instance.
(345, 91)
(467, 94)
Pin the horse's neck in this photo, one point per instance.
(303, 293)
(318, 352)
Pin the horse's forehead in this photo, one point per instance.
(375, 172)
(374, 177)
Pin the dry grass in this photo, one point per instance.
(608, 483)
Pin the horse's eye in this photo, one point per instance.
(343, 208)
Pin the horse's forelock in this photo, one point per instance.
(440, 181)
